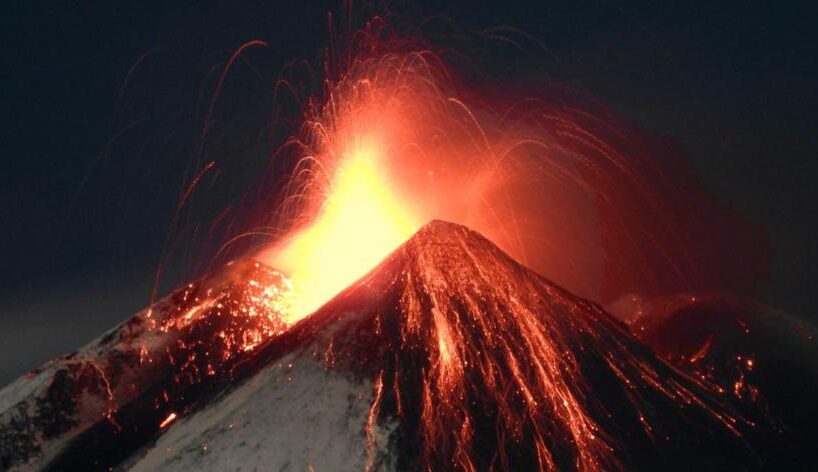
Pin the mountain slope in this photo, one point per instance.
(123, 384)
(448, 355)
(764, 358)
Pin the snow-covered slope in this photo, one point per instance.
(153, 362)
(293, 415)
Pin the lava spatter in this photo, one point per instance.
(765, 359)
(129, 382)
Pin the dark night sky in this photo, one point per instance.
(83, 223)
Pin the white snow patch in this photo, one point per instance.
(23, 387)
(295, 415)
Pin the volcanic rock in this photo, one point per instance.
(766, 359)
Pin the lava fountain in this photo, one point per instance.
(397, 140)
(360, 222)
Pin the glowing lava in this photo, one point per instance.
(361, 221)
(398, 137)
(488, 366)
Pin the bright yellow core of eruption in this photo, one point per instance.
(361, 221)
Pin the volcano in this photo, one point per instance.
(449, 355)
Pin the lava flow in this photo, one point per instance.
(473, 361)
(484, 365)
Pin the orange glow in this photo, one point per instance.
(361, 221)
(393, 142)
(167, 421)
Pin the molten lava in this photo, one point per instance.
(361, 221)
